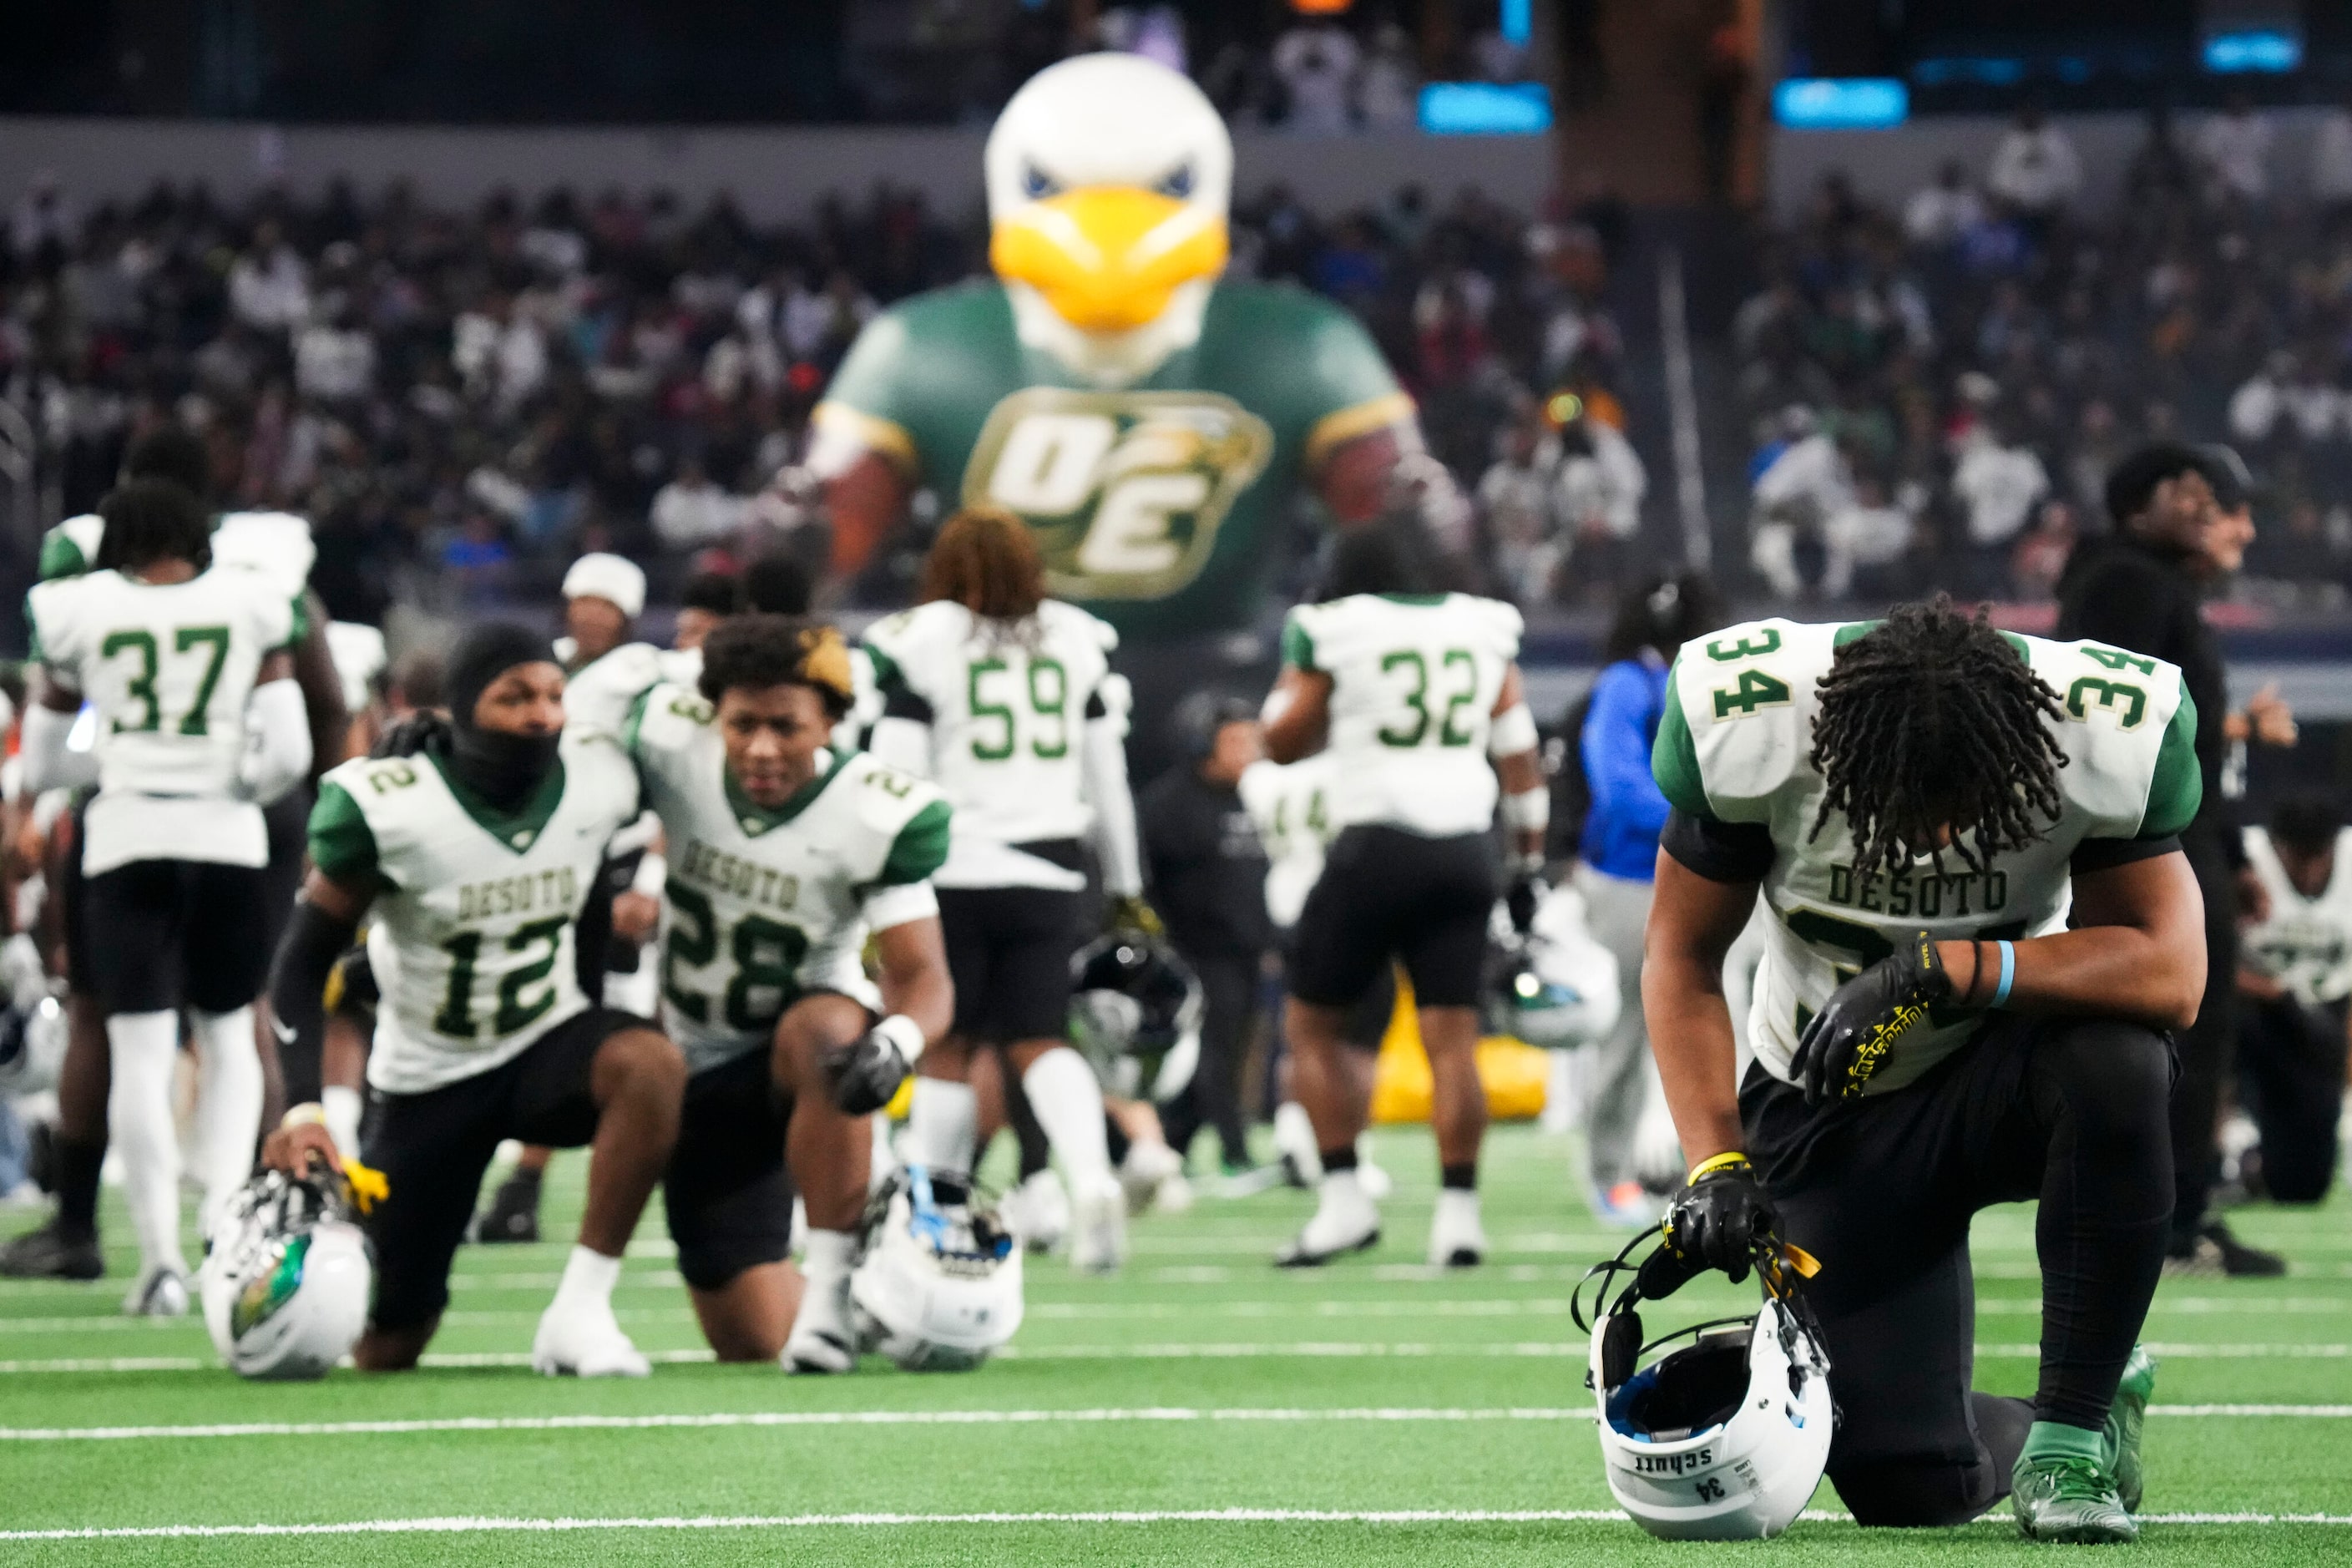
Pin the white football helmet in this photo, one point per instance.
(286, 1278)
(1726, 1438)
(1557, 986)
(937, 1284)
(32, 1046)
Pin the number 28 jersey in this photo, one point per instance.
(765, 906)
(1735, 746)
(472, 931)
(1414, 680)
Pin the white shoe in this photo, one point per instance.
(1174, 1196)
(1374, 1180)
(583, 1338)
(1147, 1168)
(1346, 1220)
(163, 1293)
(822, 1341)
(1038, 1212)
(1294, 1141)
(1458, 1238)
(1098, 1229)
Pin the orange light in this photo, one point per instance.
(1322, 7)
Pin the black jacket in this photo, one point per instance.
(2143, 600)
(1206, 864)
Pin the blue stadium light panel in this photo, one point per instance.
(1841, 103)
(2266, 49)
(1485, 109)
(1518, 20)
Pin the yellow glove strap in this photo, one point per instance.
(1723, 1161)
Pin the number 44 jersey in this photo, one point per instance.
(1735, 747)
(472, 933)
(765, 906)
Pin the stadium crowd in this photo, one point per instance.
(463, 402)
(1934, 396)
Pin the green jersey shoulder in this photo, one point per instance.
(1156, 505)
(1734, 745)
(768, 903)
(472, 934)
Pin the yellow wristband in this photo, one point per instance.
(1723, 1161)
(310, 1115)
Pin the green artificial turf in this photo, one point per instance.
(1199, 1379)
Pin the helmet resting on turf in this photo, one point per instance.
(937, 1284)
(286, 1277)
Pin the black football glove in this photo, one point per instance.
(1849, 1038)
(1525, 897)
(863, 1076)
(1716, 1219)
(423, 730)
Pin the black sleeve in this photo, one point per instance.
(591, 935)
(2132, 608)
(2100, 854)
(298, 995)
(1720, 851)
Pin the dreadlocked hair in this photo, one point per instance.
(986, 560)
(1932, 720)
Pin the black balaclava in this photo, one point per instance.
(503, 769)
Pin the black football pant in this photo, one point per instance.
(1229, 1006)
(2290, 1081)
(2205, 1047)
(2070, 1111)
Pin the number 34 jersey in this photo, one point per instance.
(1735, 746)
(472, 929)
(1414, 680)
(764, 905)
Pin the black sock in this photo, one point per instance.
(1114, 1140)
(77, 1168)
(1343, 1158)
(1459, 1178)
(524, 1176)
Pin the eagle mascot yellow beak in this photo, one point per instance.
(1109, 177)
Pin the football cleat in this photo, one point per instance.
(1345, 1221)
(1098, 1229)
(821, 1340)
(1147, 1168)
(49, 1253)
(2067, 1498)
(2215, 1252)
(1458, 1238)
(583, 1338)
(514, 1214)
(2124, 1419)
(162, 1293)
(1038, 1212)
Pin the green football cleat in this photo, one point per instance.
(2062, 1496)
(2124, 1419)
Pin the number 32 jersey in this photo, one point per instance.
(1735, 746)
(472, 929)
(765, 906)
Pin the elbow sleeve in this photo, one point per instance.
(298, 995)
(1103, 758)
(278, 751)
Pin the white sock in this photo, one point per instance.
(1456, 1206)
(1341, 1193)
(1294, 1135)
(1069, 1101)
(942, 1125)
(588, 1279)
(142, 1048)
(829, 1255)
(228, 1106)
(342, 1107)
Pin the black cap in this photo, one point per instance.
(2233, 483)
(484, 652)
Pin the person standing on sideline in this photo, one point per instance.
(1207, 874)
(2139, 590)
(1619, 851)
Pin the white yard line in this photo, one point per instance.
(491, 1525)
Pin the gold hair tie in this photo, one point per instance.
(824, 660)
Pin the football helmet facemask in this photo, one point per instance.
(937, 1286)
(1135, 1014)
(286, 1277)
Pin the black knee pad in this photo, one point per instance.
(1917, 1496)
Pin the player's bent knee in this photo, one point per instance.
(2113, 1073)
(643, 1062)
(391, 1350)
(1915, 1497)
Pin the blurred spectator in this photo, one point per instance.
(268, 287)
(2331, 159)
(2039, 558)
(1999, 486)
(2160, 171)
(1317, 63)
(1514, 497)
(41, 217)
(2234, 147)
(2034, 166)
(1388, 89)
(690, 512)
(2289, 387)
(1939, 214)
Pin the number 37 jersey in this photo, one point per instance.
(764, 905)
(472, 929)
(1735, 746)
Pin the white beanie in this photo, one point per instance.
(606, 576)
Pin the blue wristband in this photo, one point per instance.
(2007, 973)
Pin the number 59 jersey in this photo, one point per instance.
(472, 930)
(764, 905)
(1735, 746)
(1414, 680)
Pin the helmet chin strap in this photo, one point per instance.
(1110, 360)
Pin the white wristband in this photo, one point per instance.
(904, 1033)
(652, 875)
(1513, 732)
(1529, 811)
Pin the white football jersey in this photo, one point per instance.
(2306, 943)
(1414, 680)
(763, 907)
(472, 929)
(1006, 707)
(276, 544)
(1734, 744)
(167, 668)
(598, 696)
(1290, 806)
